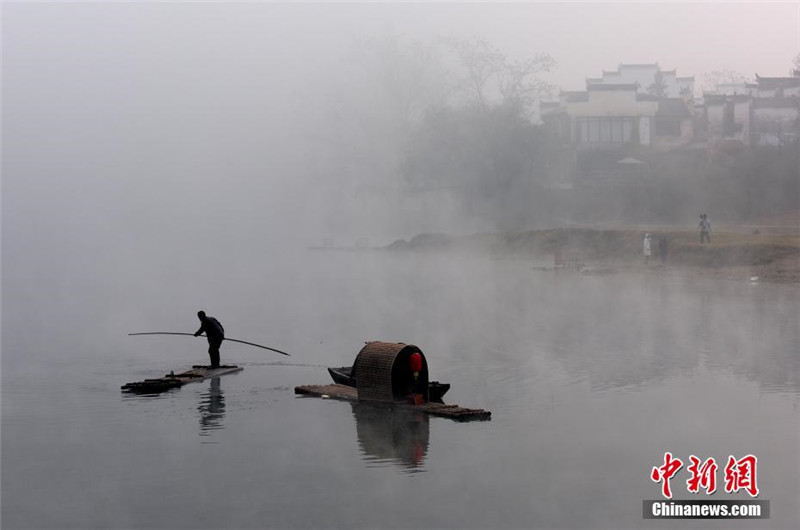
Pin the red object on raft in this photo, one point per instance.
(416, 362)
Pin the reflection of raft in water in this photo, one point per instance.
(397, 374)
(197, 373)
(400, 438)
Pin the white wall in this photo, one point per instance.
(645, 126)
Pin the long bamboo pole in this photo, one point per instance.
(226, 338)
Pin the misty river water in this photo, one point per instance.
(590, 380)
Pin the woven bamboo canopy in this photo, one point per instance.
(383, 372)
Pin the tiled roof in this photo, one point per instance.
(613, 87)
(639, 65)
(777, 82)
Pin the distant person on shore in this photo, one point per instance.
(215, 333)
(663, 249)
(704, 227)
(646, 248)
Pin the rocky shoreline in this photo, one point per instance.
(731, 255)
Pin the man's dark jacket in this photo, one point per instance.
(213, 329)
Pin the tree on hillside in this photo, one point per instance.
(399, 115)
(482, 141)
(484, 151)
(795, 70)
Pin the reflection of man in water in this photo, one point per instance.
(215, 333)
(704, 227)
(212, 407)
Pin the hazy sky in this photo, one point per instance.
(586, 37)
(181, 108)
(583, 37)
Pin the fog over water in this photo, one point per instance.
(162, 158)
(589, 379)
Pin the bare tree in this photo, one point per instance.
(721, 77)
(519, 81)
(481, 62)
(659, 86)
(489, 77)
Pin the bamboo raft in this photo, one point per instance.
(169, 381)
(348, 393)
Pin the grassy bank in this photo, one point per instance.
(731, 255)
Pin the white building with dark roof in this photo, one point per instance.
(619, 116)
(608, 116)
(650, 78)
(764, 113)
(778, 87)
(641, 111)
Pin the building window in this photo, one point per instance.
(616, 131)
(668, 127)
(605, 130)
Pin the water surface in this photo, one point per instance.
(590, 380)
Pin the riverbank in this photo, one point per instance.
(731, 255)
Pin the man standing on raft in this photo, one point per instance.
(215, 333)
